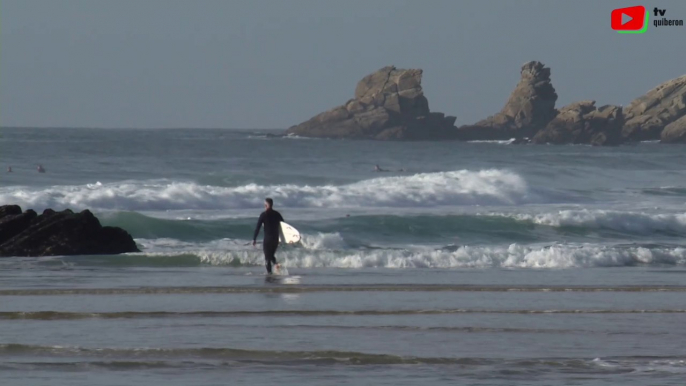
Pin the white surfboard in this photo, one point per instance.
(289, 235)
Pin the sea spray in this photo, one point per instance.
(464, 187)
(556, 256)
(629, 222)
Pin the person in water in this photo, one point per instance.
(9, 169)
(272, 226)
(378, 169)
(40, 169)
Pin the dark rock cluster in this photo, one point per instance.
(58, 233)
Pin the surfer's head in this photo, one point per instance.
(268, 203)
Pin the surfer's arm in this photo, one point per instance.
(257, 228)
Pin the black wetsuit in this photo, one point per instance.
(272, 221)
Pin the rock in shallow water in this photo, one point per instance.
(59, 233)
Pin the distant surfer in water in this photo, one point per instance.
(9, 169)
(40, 169)
(272, 223)
(378, 169)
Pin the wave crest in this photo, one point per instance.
(485, 187)
(630, 222)
(236, 253)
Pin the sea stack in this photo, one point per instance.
(529, 109)
(389, 104)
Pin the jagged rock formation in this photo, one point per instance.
(649, 114)
(388, 105)
(530, 107)
(675, 132)
(583, 123)
(58, 233)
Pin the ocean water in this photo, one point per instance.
(466, 263)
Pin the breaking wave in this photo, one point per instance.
(485, 187)
(74, 358)
(487, 228)
(236, 253)
(628, 222)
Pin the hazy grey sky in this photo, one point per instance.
(275, 63)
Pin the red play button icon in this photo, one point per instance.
(628, 19)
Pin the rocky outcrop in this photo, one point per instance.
(13, 221)
(649, 114)
(388, 105)
(530, 107)
(583, 123)
(58, 233)
(675, 132)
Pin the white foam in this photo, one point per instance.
(633, 222)
(224, 252)
(499, 142)
(323, 241)
(485, 187)
(293, 136)
(170, 246)
(642, 365)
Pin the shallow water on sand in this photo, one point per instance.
(65, 324)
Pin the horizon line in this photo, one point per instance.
(135, 128)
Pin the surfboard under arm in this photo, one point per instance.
(288, 233)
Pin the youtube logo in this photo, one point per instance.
(630, 19)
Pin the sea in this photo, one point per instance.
(479, 263)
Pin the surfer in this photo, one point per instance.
(40, 169)
(9, 169)
(378, 169)
(272, 221)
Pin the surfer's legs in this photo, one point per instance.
(269, 249)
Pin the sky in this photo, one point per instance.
(275, 63)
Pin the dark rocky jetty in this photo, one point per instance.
(58, 233)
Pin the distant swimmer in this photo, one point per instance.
(40, 169)
(9, 169)
(378, 169)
